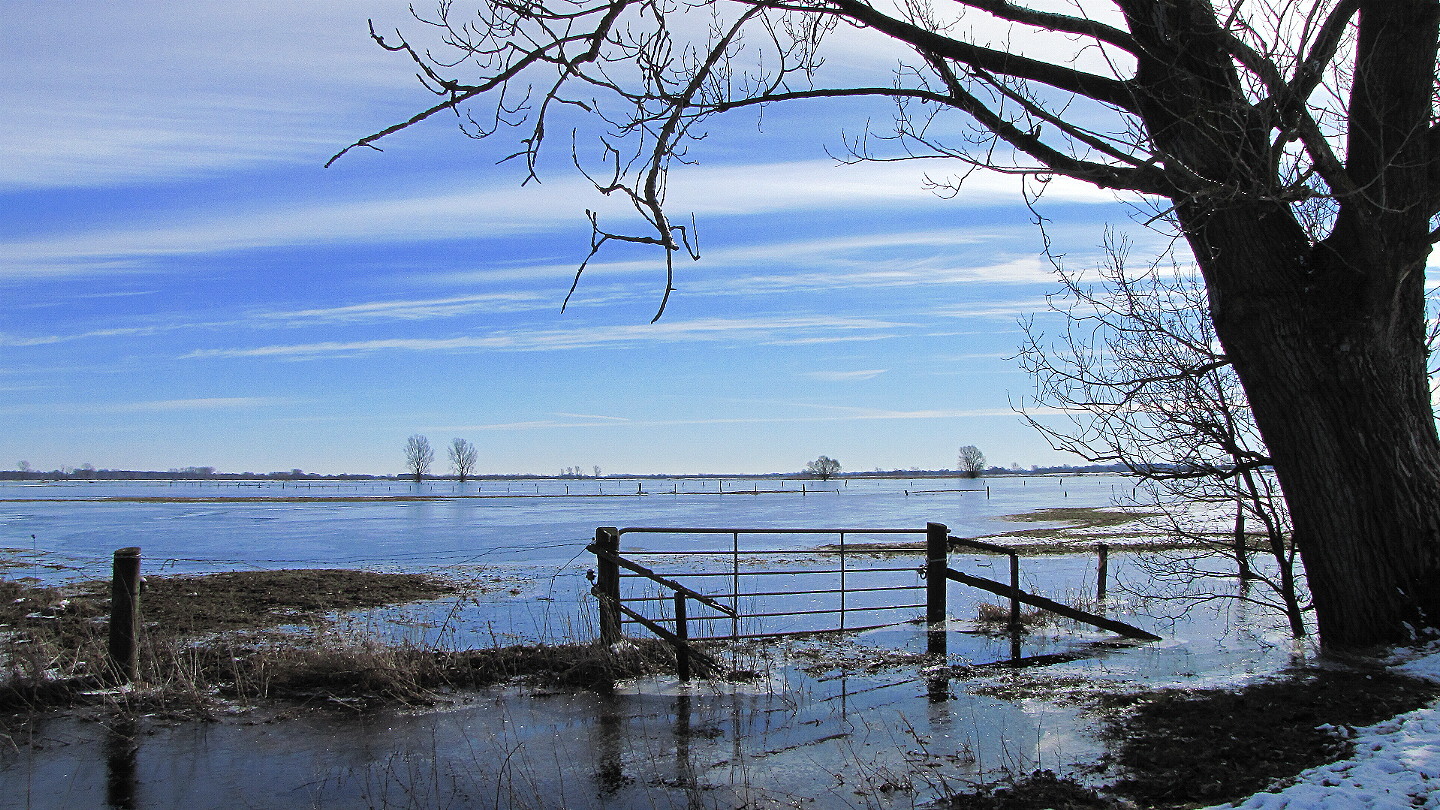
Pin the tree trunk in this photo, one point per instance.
(1334, 364)
(1327, 337)
(1358, 466)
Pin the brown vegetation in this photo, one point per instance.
(211, 641)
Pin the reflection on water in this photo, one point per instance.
(121, 747)
(842, 722)
(863, 720)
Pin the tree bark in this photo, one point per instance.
(1327, 337)
(1356, 452)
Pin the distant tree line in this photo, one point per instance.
(90, 473)
(178, 474)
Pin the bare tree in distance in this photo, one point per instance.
(418, 456)
(463, 458)
(971, 461)
(1135, 368)
(823, 468)
(1293, 145)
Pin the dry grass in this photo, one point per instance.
(211, 644)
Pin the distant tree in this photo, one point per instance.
(24, 468)
(597, 470)
(823, 468)
(418, 456)
(463, 457)
(971, 461)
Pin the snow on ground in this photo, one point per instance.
(1396, 763)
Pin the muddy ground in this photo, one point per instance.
(209, 641)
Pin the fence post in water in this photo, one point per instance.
(682, 632)
(1015, 586)
(124, 612)
(1103, 551)
(937, 542)
(607, 584)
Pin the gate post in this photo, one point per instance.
(607, 583)
(937, 543)
(682, 632)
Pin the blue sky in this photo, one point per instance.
(185, 284)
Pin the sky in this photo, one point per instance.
(184, 282)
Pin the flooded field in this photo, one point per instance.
(861, 719)
(521, 544)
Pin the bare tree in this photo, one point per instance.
(1136, 370)
(971, 461)
(463, 457)
(1293, 145)
(823, 468)
(418, 456)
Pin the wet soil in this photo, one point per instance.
(188, 605)
(257, 635)
(253, 599)
(1190, 748)
(1179, 748)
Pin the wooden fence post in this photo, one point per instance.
(607, 584)
(1103, 551)
(682, 632)
(1015, 584)
(124, 612)
(937, 562)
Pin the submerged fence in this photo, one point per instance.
(864, 578)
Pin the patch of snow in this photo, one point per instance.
(1396, 763)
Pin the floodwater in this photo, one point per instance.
(841, 721)
(844, 736)
(522, 542)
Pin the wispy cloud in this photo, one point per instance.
(780, 330)
(362, 313)
(124, 92)
(993, 309)
(410, 310)
(592, 416)
(467, 212)
(18, 341)
(845, 376)
(855, 416)
(153, 406)
(203, 404)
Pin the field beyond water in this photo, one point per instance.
(387, 645)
